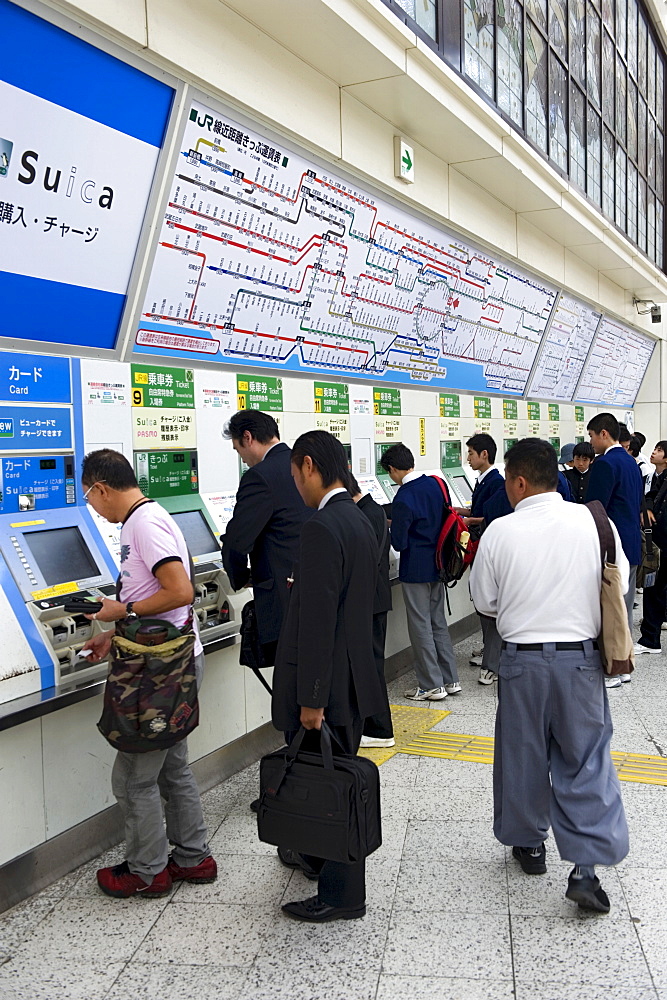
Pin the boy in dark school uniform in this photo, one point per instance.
(578, 476)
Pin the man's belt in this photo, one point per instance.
(537, 647)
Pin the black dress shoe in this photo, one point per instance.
(292, 859)
(533, 860)
(254, 805)
(315, 912)
(588, 893)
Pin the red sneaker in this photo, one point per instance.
(121, 883)
(205, 871)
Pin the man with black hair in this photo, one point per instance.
(617, 483)
(417, 517)
(481, 456)
(154, 582)
(378, 729)
(552, 765)
(324, 664)
(266, 524)
(624, 436)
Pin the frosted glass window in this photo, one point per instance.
(632, 202)
(641, 135)
(557, 112)
(621, 25)
(536, 96)
(578, 39)
(479, 31)
(641, 215)
(510, 59)
(641, 53)
(593, 53)
(608, 174)
(608, 74)
(423, 12)
(632, 119)
(621, 173)
(621, 99)
(659, 161)
(632, 37)
(659, 233)
(538, 11)
(650, 227)
(577, 137)
(558, 26)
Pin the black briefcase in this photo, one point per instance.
(324, 804)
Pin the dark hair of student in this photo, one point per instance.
(604, 422)
(634, 447)
(583, 449)
(327, 454)
(483, 442)
(623, 433)
(351, 485)
(261, 426)
(641, 438)
(399, 457)
(662, 445)
(535, 460)
(110, 467)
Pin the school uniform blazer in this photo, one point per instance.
(417, 517)
(615, 480)
(325, 652)
(483, 492)
(265, 528)
(376, 515)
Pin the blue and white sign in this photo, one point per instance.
(34, 482)
(35, 428)
(33, 378)
(80, 134)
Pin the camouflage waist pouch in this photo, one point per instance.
(150, 699)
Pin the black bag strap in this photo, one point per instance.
(605, 534)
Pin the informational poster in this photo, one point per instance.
(336, 424)
(34, 378)
(35, 428)
(153, 428)
(331, 397)
(80, 135)
(450, 430)
(166, 473)
(221, 508)
(616, 365)
(168, 388)
(259, 393)
(388, 429)
(369, 484)
(564, 350)
(105, 383)
(386, 401)
(264, 258)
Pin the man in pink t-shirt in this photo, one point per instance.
(154, 583)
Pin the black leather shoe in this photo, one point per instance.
(533, 860)
(315, 912)
(588, 893)
(292, 859)
(254, 805)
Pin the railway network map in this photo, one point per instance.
(564, 350)
(616, 365)
(265, 259)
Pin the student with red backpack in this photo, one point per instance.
(417, 522)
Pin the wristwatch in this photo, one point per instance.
(129, 613)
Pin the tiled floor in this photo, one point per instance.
(450, 915)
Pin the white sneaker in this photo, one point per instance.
(421, 694)
(377, 741)
(612, 682)
(625, 678)
(487, 676)
(645, 649)
(453, 688)
(479, 650)
(475, 661)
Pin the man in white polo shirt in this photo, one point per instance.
(538, 573)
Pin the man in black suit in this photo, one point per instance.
(266, 524)
(324, 664)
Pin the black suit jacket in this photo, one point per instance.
(325, 653)
(266, 526)
(376, 515)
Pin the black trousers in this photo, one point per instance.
(655, 599)
(380, 725)
(339, 884)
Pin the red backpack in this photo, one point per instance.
(455, 548)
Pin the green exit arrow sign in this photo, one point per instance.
(404, 160)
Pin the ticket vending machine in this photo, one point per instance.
(389, 487)
(371, 484)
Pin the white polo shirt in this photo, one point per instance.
(538, 572)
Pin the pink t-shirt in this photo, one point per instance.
(149, 538)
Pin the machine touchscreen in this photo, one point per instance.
(463, 488)
(61, 555)
(200, 539)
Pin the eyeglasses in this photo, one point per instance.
(99, 483)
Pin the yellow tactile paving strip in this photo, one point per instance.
(408, 724)
(642, 768)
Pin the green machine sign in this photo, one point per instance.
(259, 393)
(450, 454)
(169, 388)
(482, 408)
(331, 397)
(534, 411)
(166, 473)
(579, 414)
(450, 406)
(510, 409)
(554, 411)
(386, 402)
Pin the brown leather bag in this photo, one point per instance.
(615, 639)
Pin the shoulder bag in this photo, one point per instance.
(615, 640)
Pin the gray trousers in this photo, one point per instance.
(629, 598)
(435, 662)
(492, 644)
(552, 765)
(139, 782)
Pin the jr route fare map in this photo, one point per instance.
(264, 258)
